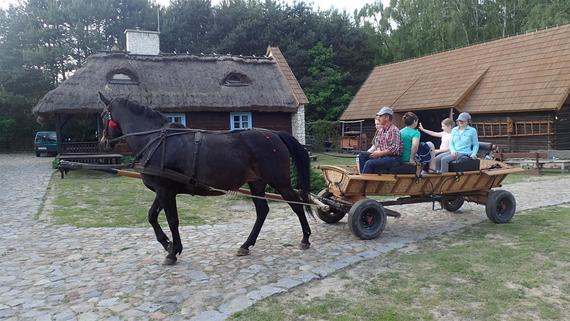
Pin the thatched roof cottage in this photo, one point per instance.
(516, 89)
(215, 92)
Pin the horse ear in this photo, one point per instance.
(104, 99)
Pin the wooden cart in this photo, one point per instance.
(347, 193)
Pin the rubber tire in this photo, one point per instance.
(37, 154)
(332, 216)
(452, 204)
(501, 206)
(361, 210)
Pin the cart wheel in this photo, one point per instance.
(501, 206)
(367, 219)
(331, 216)
(452, 204)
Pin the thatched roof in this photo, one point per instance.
(529, 72)
(176, 83)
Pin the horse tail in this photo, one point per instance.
(302, 162)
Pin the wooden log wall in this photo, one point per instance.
(537, 124)
(221, 120)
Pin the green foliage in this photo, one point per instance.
(424, 27)
(323, 133)
(17, 125)
(317, 180)
(55, 163)
(326, 90)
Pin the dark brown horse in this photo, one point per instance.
(178, 160)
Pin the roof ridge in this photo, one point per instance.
(181, 56)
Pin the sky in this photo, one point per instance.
(348, 5)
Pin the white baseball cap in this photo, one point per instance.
(385, 110)
(464, 117)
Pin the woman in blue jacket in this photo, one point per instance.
(464, 143)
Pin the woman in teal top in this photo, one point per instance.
(464, 143)
(410, 137)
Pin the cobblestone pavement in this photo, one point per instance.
(65, 273)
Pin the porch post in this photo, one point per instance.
(58, 126)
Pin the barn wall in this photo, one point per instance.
(221, 120)
(562, 139)
(522, 143)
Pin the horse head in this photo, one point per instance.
(111, 128)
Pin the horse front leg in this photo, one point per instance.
(168, 202)
(153, 212)
(261, 209)
(289, 194)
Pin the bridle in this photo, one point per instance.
(108, 122)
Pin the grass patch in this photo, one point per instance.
(95, 199)
(517, 271)
(526, 177)
(336, 159)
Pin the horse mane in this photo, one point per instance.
(145, 111)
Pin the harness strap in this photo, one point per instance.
(163, 136)
(154, 148)
(197, 142)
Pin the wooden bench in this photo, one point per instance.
(92, 158)
(535, 160)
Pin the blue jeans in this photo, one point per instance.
(369, 165)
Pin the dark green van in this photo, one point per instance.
(45, 142)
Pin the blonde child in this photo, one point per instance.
(445, 135)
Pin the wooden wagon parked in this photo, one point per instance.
(347, 193)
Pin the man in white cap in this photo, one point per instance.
(464, 143)
(387, 146)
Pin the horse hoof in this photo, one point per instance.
(304, 246)
(242, 252)
(169, 261)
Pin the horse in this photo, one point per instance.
(179, 160)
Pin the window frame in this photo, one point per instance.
(132, 77)
(241, 120)
(174, 115)
(236, 79)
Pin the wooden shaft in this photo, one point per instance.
(128, 173)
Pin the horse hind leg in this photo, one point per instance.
(153, 220)
(261, 209)
(289, 194)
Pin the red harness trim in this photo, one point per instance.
(112, 124)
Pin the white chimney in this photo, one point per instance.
(142, 42)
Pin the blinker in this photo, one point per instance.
(113, 124)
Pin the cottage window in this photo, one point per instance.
(176, 118)
(122, 77)
(240, 120)
(234, 79)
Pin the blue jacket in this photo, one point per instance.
(464, 143)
